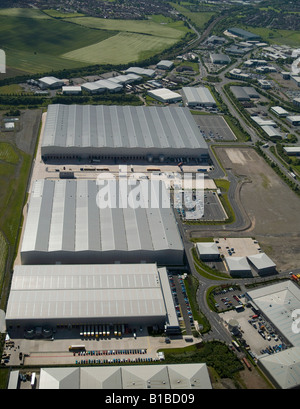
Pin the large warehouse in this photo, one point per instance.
(110, 132)
(78, 295)
(65, 225)
(176, 376)
(198, 96)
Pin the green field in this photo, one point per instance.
(287, 37)
(36, 42)
(199, 19)
(122, 48)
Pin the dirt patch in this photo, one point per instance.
(271, 205)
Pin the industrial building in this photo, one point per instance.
(50, 82)
(279, 111)
(294, 119)
(292, 150)
(219, 58)
(262, 263)
(120, 132)
(207, 251)
(165, 65)
(244, 93)
(93, 87)
(271, 131)
(263, 122)
(45, 296)
(68, 222)
(276, 303)
(176, 376)
(71, 90)
(283, 368)
(198, 96)
(109, 85)
(140, 71)
(165, 95)
(238, 266)
(246, 35)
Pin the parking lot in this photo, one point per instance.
(227, 298)
(214, 128)
(181, 302)
(238, 247)
(206, 208)
(256, 333)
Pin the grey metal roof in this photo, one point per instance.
(237, 263)
(207, 248)
(45, 292)
(261, 261)
(121, 127)
(201, 95)
(284, 367)
(277, 302)
(63, 215)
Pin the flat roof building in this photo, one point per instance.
(106, 132)
(50, 82)
(69, 222)
(165, 65)
(238, 266)
(271, 131)
(277, 302)
(140, 71)
(198, 96)
(279, 111)
(262, 263)
(93, 87)
(207, 251)
(71, 90)
(219, 58)
(283, 368)
(183, 376)
(292, 150)
(165, 95)
(73, 295)
(246, 35)
(294, 119)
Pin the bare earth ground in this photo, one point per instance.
(272, 206)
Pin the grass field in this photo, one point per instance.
(122, 48)
(197, 18)
(287, 37)
(36, 42)
(154, 27)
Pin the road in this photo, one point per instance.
(242, 221)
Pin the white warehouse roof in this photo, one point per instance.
(183, 376)
(64, 224)
(198, 96)
(121, 130)
(277, 302)
(208, 249)
(236, 264)
(283, 367)
(165, 95)
(261, 261)
(140, 71)
(117, 293)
